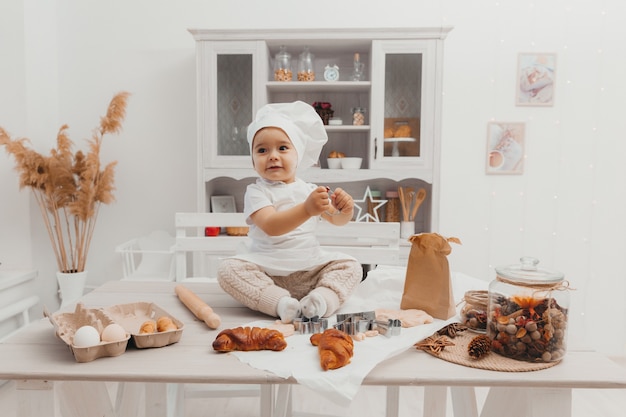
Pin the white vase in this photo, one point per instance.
(71, 286)
(407, 229)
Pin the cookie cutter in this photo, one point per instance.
(355, 323)
(388, 328)
(303, 325)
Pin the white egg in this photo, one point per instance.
(86, 336)
(113, 333)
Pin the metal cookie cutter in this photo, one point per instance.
(315, 324)
(355, 323)
(389, 327)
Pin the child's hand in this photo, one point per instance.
(342, 201)
(317, 202)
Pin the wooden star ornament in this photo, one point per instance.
(362, 214)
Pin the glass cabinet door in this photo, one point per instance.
(232, 74)
(402, 100)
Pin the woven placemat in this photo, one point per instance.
(491, 361)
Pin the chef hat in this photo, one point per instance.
(300, 122)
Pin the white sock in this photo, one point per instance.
(313, 305)
(288, 308)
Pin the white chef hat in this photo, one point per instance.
(300, 122)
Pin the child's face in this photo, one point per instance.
(273, 155)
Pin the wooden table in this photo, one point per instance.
(36, 358)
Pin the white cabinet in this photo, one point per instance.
(400, 89)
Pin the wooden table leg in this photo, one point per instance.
(435, 399)
(34, 398)
(283, 405)
(393, 401)
(528, 402)
(464, 401)
(81, 398)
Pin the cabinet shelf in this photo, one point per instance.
(318, 86)
(324, 175)
(347, 128)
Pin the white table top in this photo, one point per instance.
(35, 353)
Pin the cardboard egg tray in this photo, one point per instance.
(132, 316)
(129, 316)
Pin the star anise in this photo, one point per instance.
(451, 330)
(435, 344)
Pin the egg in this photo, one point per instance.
(86, 336)
(113, 333)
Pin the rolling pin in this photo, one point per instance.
(199, 308)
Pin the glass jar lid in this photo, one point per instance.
(528, 273)
(283, 56)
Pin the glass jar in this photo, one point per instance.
(474, 311)
(306, 71)
(528, 308)
(358, 116)
(392, 208)
(282, 65)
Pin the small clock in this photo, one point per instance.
(331, 73)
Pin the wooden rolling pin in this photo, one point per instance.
(199, 308)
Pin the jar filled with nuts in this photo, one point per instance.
(527, 313)
(306, 71)
(474, 311)
(282, 65)
(358, 116)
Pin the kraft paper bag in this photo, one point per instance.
(428, 285)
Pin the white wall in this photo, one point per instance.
(566, 209)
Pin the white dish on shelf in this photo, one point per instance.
(334, 163)
(351, 162)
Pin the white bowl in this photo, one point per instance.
(351, 163)
(334, 163)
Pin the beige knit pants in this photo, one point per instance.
(247, 283)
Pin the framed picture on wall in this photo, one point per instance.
(505, 147)
(536, 74)
(223, 204)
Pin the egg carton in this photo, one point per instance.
(66, 324)
(130, 316)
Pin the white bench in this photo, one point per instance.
(369, 243)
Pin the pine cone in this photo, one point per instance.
(479, 346)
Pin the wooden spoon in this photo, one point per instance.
(421, 195)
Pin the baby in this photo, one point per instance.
(284, 272)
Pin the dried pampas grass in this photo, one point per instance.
(69, 187)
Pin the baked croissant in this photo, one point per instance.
(165, 324)
(249, 338)
(148, 327)
(335, 347)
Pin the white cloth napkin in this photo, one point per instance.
(300, 360)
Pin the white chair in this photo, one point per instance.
(369, 243)
(149, 257)
(16, 315)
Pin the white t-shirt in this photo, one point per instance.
(297, 250)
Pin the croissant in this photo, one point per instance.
(148, 327)
(249, 338)
(335, 347)
(165, 324)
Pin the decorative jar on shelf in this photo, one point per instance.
(527, 312)
(282, 65)
(306, 70)
(358, 116)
